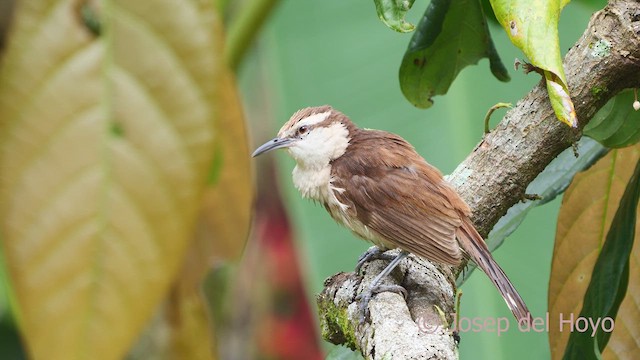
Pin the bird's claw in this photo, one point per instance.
(373, 253)
(363, 305)
(366, 296)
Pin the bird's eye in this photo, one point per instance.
(303, 129)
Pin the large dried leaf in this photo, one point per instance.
(106, 139)
(190, 329)
(226, 211)
(223, 229)
(584, 221)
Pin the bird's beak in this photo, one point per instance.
(275, 143)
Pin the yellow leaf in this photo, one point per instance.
(223, 228)
(226, 211)
(588, 207)
(191, 331)
(106, 138)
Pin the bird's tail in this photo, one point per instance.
(475, 246)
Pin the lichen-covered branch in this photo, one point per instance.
(396, 325)
(604, 61)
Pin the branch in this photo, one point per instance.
(402, 327)
(491, 180)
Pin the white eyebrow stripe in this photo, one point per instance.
(314, 119)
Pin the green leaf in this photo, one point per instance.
(106, 139)
(550, 183)
(610, 276)
(616, 124)
(488, 11)
(450, 36)
(10, 345)
(533, 27)
(392, 13)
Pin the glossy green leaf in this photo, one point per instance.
(550, 183)
(610, 276)
(533, 27)
(616, 124)
(106, 139)
(450, 36)
(392, 13)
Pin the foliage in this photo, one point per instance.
(110, 117)
(454, 34)
(392, 13)
(121, 132)
(533, 27)
(617, 124)
(591, 266)
(450, 36)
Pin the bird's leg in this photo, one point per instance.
(375, 287)
(372, 253)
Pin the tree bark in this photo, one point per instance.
(491, 180)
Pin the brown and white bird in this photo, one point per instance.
(374, 183)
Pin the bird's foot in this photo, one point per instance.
(366, 296)
(376, 287)
(373, 253)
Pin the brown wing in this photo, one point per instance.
(394, 192)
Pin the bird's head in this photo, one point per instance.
(313, 136)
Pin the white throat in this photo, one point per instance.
(313, 154)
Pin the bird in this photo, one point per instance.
(375, 184)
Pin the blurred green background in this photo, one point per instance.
(338, 53)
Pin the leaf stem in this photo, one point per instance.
(243, 29)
